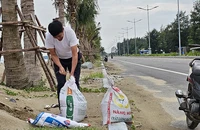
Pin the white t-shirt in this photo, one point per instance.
(63, 47)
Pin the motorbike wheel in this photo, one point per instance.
(191, 124)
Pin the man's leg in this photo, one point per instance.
(61, 79)
(77, 73)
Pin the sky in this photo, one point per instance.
(113, 16)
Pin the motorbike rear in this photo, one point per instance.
(190, 102)
(106, 58)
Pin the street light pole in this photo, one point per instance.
(179, 34)
(135, 32)
(127, 29)
(149, 30)
(147, 9)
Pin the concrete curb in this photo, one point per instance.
(105, 75)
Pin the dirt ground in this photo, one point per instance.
(148, 113)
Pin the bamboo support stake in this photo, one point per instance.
(3, 76)
(39, 31)
(46, 69)
(18, 23)
(26, 23)
(35, 27)
(40, 57)
(20, 50)
(39, 25)
(49, 61)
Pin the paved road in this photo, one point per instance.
(163, 76)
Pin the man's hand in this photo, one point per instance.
(62, 71)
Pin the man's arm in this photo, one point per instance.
(74, 59)
(57, 61)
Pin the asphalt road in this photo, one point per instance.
(162, 76)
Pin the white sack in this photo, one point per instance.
(117, 126)
(51, 120)
(73, 104)
(115, 107)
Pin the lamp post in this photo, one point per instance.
(134, 32)
(147, 9)
(127, 29)
(179, 34)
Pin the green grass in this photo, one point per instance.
(93, 90)
(38, 88)
(9, 92)
(97, 63)
(3, 84)
(193, 53)
(93, 76)
(166, 54)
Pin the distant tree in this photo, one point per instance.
(170, 33)
(142, 44)
(184, 27)
(131, 46)
(154, 34)
(16, 74)
(194, 36)
(162, 41)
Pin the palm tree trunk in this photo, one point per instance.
(71, 8)
(16, 74)
(61, 11)
(31, 60)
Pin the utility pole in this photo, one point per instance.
(179, 32)
(127, 29)
(147, 9)
(134, 32)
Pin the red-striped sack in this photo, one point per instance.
(115, 107)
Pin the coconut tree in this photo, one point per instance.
(71, 10)
(86, 13)
(60, 7)
(31, 61)
(87, 10)
(81, 15)
(15, 70)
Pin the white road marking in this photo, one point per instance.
(171, 71)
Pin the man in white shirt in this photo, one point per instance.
(62, 44)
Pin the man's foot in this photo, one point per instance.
(54, 105)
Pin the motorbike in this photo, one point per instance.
(106, 58)
(190, 101)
